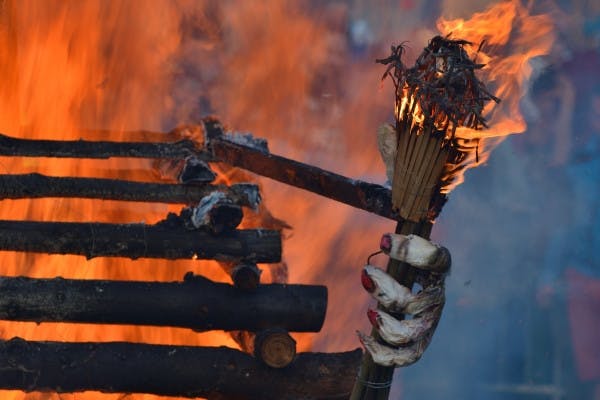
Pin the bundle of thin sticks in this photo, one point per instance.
(433, 98)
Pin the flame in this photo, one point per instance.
(118, 66)
(89, 64)
(512, 38)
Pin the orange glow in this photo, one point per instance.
(512, 38)
(266, 67)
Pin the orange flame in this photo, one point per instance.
(267, 67)
(513, 38)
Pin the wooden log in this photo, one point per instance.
(40, 186)
(196, 303)
(275, 347)
(356, 193)
(366, 196)
(245, 276)
(163, 240)
(216, 212)
(196, 171)
(215, 373)
(11, 146)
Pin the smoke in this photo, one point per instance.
(302, 74)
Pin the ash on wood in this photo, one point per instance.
(11, 146)
(164, 240)
(195, 303)
(196, 171)
(216, 212)
(366, 196)
(39, 186)
(215, 373)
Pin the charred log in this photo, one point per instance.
(367, 196)
(196, 171)
(39, 186)
(182, 371)
(163, 240)
(215, 212)
(246, 276)
(195, 303)
(11, 146)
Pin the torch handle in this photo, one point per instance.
(374, 381)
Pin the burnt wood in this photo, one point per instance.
(163, 240)
(356, 193)
(196, 303)
(38, 186)
(215, 373)
(11, 146)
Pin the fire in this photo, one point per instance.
(511, 37)
(119, 66)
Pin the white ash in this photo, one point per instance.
(201, 213)
(250, 192)
(247, 139)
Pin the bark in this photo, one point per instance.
(10, 146)
(245, 276)
(162, 240)
(366, 196)
(182, 371)
(195, 303)
(38, 186)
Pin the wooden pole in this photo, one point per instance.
(356, 193)
(40, 186)
(196, 303)
(215, 373)
(163, 240)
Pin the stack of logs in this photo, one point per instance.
(207, 228)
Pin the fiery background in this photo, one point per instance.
(302, 75)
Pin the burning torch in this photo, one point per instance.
(423, 153)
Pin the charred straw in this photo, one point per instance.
(437, 95)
